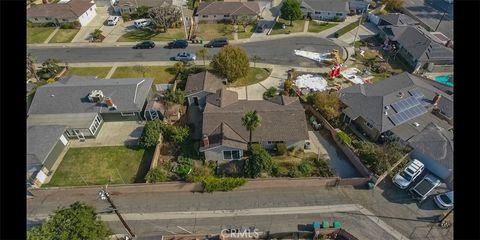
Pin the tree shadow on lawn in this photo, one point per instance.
(141, 34)
(144, 165)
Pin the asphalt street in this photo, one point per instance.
(431, 12)
(279, 51)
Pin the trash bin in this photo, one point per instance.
(370, 184)
(337, 224)
(325, 224)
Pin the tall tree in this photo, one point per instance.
(251, 120)
(79, 221)
(393, 5)
(203, 53)
(142, 11)
(232, 62)
(140, 69)
(31, 70)
(164, 17)
(328, 104)
(290, 10)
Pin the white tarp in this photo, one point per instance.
(320, 57)
(41, 176)
(352, 75)
(312, 82)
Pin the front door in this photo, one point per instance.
(195, 101)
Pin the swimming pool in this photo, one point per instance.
(444, 79)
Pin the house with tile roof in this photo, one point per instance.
(217, 11)
(399, 107)
(71, 11)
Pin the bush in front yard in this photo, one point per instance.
(281, 148)
(258, 162)
(344, 137)
(232, 62)
(305, 168)
(328, 104)
(151, 133)
(211, 183)
(126, 17)
(184, 166)
(177, 134)
(271, 92)
(156, 175)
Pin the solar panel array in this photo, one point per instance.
(408, 108)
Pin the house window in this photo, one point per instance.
(64, 20)
(318, 12)
(205, 16)
(226, 15)
(339, 14)
(48, 19)
(96, 123)
(214, 16)
(231, 155)
(127, 114)
(328, 13)
(369, 125)
(36, 19)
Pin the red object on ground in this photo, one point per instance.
(335, 71)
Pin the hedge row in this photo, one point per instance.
(211, 183)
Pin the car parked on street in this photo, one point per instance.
(444, 200)
(185, 56)
(112, 20)
(218, 42)
(141, 23)
(405, 177)
(144, 44)
(177, 44)
(261, 29)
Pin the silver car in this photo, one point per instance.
(185, 56)
(444, 200)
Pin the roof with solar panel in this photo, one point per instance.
(392, 102)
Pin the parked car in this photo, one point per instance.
(407, 176)
(112, 20)
(218, 42)
(444, 200)
(261, 29)
(423, 188)
(145, 44)
(185, 56)
(141, 23)
(178, 44)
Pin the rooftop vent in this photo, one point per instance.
(386, 113)
(96, 96)
(400, 94)
(387, 107)
(416, 124)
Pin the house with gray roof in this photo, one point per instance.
(396, 19)
(399, 107)
(224, 136)
(82, 11)
(130, 6)
(216, 11)
(418, 48)
(434, 147)
(325, 9)
(82, 104)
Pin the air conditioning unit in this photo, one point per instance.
(96, 96)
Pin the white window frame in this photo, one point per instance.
(231, 154)
(95, 125)
(204, 16)
(127, 114)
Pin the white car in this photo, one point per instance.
(141, 23)
(185, 56)
(404, 178)
(112, 20)
(444, 200)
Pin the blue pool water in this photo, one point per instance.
(444, 79)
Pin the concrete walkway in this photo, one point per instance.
(112, 70)
(305, 26)
(51, 36)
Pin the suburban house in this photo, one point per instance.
(434, 147)
(358, 6)
(397, 108)
(130, 6)
(216, 11)
(82, 104)
(419, 48)
(82, 11)
(44, 146)
(224, 136)
(396, 19)
(325, 9)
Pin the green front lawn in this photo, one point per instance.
(317, 27)
(147, 34)
(38, 34)
(209, 31)
(96, 165)
(255, 75)
(100, 72)
(64, 35)
(161, 74)
(247, 33)
(297, 26)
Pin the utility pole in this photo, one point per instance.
(440, 20)
(360, 22)
(105, 196)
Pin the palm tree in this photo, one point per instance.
(251, 120)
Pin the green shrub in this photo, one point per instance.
(271, 92)
(211, 183)
(126, 17)
(151, 133)
(184, 166)
(294, 173)
(67, 26)
(305, 168)
(258, 162)
(156, 175)
(281, 148)
(177, 134)
(344, 137)
(279, 171)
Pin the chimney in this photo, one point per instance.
(436, 99)
(205, 141)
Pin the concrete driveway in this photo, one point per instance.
(96, 23)
(366, 30)
(114, 134)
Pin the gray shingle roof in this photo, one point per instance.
(147, 3)
(40, 142)
(71, 120)
(446, 107)
(70, 95)
(398, 19)
(203, 81)
(436, 143)
(228, 8)
(326, 5)
(279, 122)
(370, 100)
(72, 9)
(408, 130)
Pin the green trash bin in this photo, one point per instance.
(370, 184)
(337, 224)
(325, 224)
